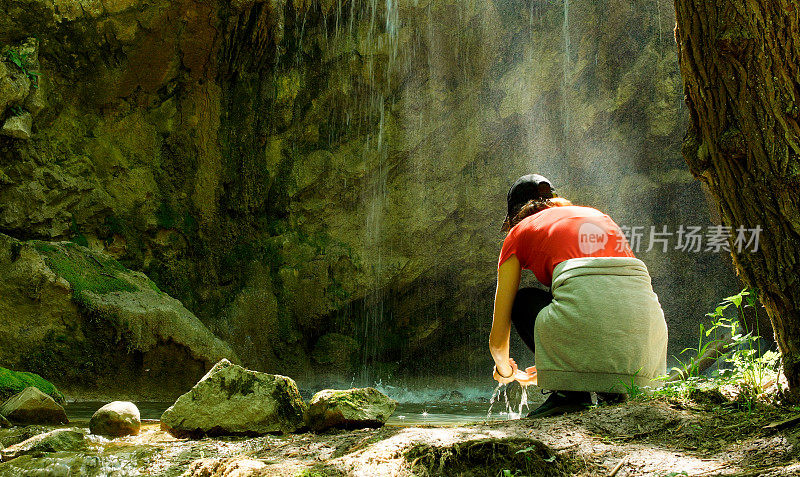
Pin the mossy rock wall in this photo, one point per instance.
(291, 170)
(95, 328)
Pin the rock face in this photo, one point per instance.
(335, 352)
(13, 382)
(232, 400)
(98, 326)
(19, 88)
(54, 441)
(18, 126)
(116, 419)
(32, 406)
(346, 173)
(349, 409)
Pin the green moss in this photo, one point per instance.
(77, 235)
(84, 270)
(165, 216)
(115, 226)
(243, 386)
(12, 382)
(190, 226)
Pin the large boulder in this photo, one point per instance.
(32, 406)
(116, 419)
(54, 441)
(99, 326)
(349, 409)
(232, 400)
(13, 382)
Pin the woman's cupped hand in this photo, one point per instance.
(525, 378)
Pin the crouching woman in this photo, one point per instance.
(599, 328)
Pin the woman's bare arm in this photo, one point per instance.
(508, 276)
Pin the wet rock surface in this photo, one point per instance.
(349, 409)
(57, 440)
(32, 406)
(232, 400)
(116, 419)
(17, 434)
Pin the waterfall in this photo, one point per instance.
(376, 155)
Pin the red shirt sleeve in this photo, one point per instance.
(509, 247)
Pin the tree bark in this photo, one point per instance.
(739, 62)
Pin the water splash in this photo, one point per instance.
(523, 400)
(495, 396)
(507, 409)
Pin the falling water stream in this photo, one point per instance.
(504, 402)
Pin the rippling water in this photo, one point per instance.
(450, 409)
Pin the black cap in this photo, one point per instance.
(526, 188)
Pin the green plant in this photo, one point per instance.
(633, 390)
(730, 339)
(508, 473)
(749, 364)
(691, 367)
(21, 60)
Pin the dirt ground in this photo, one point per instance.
(660, 437)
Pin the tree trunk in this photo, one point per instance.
(739, 62)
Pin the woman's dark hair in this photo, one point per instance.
(531, 207)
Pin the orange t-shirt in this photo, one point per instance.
(554, 235)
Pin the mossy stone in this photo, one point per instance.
(13, 382)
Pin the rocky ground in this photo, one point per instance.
(660, 437)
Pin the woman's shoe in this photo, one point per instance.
(563, 402)
(607, 399)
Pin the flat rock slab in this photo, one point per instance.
(18, 126)
(349, 409)
(116, 419)
(32, 406)
(53, 441)
(18, 434)
(232, 400)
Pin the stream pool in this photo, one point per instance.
(407, 413)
